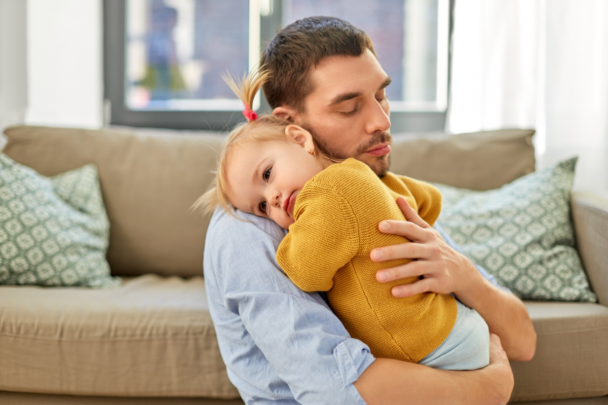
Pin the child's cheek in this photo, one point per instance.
(284, 221)
(288, 222)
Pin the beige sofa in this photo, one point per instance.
(152, 341)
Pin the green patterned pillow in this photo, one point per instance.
(53, 231)
(522, 234)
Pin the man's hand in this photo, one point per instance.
(388, 381)
(502, 369)
(443, 270)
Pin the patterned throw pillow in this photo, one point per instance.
(522, 234)
(53, 231)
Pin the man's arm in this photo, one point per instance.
(281, 344)
(394, 382)
(445, 270)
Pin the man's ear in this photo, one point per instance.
(301, 137)
(287, 113)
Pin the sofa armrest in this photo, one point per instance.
(590, 216)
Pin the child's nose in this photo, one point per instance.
(275, 198)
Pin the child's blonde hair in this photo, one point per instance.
(263, 129)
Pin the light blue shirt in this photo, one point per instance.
(280, 344)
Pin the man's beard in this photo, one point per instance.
(380, 165)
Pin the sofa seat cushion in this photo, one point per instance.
(151, 337)
(154, 337)
(571, 359)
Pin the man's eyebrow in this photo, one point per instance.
(343, 97)
(385, 83)
(349, 96)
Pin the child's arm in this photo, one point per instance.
(324, 238)
(427, 197)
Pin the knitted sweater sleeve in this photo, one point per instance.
(427, 197)
(324, 238)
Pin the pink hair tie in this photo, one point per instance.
(250, 114)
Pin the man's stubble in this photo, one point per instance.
(380, 165)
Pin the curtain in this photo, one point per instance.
(539, 64)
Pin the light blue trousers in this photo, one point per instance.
(467, 347)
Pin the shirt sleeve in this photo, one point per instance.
(279, 344)
(481, 270)
(323, 239)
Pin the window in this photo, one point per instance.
(164, 58)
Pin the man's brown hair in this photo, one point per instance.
(300, 46)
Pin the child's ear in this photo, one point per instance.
(301, 137)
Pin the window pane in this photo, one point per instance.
(410, 39)
(177, 51)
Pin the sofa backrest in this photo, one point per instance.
(150, 178)
(477, 161)
(149, 181)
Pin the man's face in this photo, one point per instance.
(348, 111)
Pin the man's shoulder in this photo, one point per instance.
(239, 249)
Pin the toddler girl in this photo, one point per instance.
(274, 169)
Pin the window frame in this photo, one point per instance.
(117, 113)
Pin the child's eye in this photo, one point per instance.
(267, 174)
(263, 206)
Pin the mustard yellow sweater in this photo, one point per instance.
(327, 249)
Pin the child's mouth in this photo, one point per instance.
(288, 204)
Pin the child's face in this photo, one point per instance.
(265, 178)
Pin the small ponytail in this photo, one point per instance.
(268, 127)
(247, 87)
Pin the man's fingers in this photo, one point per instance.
(401, 251)
(410, 214)
(497, 353)
(500, 363)
(411, 269)
(408, 290)
(410, 230)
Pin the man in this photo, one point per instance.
(282, 345)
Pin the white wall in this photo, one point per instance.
(13, 62)
(64, 51)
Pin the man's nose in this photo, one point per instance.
(378, 119)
